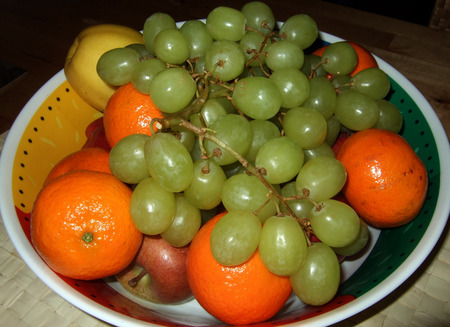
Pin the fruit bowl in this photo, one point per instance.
(52, 125)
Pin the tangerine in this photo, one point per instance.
(365, 57)
(242, 294)
(96, 159)
(129, 112)
(386, 180)
(81, 225)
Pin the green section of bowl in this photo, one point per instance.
(395, 245)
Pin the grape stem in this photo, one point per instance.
(314, 69)
(205, 133)
(256, 54)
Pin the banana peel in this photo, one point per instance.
(80, 66)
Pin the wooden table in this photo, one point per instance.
(35, 35)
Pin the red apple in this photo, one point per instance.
(158, 274)
(343, 136)
(96, 137)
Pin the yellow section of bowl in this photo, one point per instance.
(56, 130)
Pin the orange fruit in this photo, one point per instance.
(81, 225)
(96, 159)
(365, 57)
(129, 112)
(386, 180)
(242, 294)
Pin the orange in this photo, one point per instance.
(386, 180)
(81, 225)
(365, 58)
(129, 112)
(243, 294)
(88, 158)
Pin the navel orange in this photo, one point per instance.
(81, 225)
(242, 294)
(129, 112)
(386, 180)
(96, 159)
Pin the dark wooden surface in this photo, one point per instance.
(35, 36)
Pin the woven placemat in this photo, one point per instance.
(423, 300)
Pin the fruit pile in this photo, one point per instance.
(292, 149)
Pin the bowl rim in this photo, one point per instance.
(393, 281)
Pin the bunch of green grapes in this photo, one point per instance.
(250, 121)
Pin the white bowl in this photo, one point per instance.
(51, 125)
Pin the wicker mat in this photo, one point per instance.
(423, 300)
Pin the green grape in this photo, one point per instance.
(143, 73)
(225, 23)
(257, 97)
(235, 131)
(233, 169)
(197, 36)
(141, 50)
(254, 71)
(390, 117)
(196, 152)
(322, 150)
(281, 159)
(251, 44)
(300, 207)
(211, 110)
(317, 281)
(282, 246)
(172, 89)
(152, 207)
(185, 136)
(259, 16)
(336, 224)
(283, 55)
(372, 82)
(127, 161)
(226, 103)
(322, 96)
(185, 224)
(225, 60)
(235, 237)
(356, 111)
(245, 192)
(323, 176)
(116, 66)
(358, 244)
(169, 162)
(306, 126)
(341, 82)
(263, 130)
(171, 46)
(205, 190)
(199, 64)
(333, 130)
(339, 58)
(301, 29)
(218, 88)
(312, 66)
(154, 24)
(293, 85)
